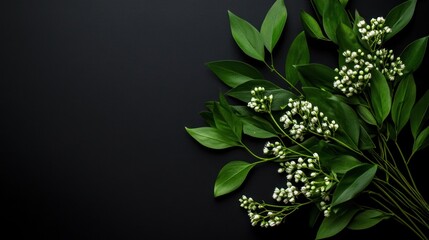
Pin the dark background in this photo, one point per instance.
(94, 97)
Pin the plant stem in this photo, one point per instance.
(285, 134)
(256, 156)
(273, 69)
(393, 202)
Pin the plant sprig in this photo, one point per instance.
(333, 132)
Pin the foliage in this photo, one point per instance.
(332, 132)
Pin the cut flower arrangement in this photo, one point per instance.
(333, 133)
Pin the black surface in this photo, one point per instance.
(94, 97)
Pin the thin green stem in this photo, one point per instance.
(409, 159)
(396, 217)
(401, 195)
(285, 134)
(405, 202)
(406, 165)
(262, 159)
(396, 170)
(273, 69)
(405, 213)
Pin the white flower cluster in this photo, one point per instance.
(276, 149)
(387, 64)
(352, 80)
(375, 32)
(303, 117)
(355, 75)
(259, 101)
(258, 214)
(304, 177)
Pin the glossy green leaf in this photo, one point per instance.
(311, 26)
(234, 73)
(419, 114)
(231, 176)
(366, 115)
(208, 118)
(422, 140)
(213, 138)
(280, 95)
(258, 127)
(316, 75)
(273, 24)
(413, 54)
(247, 37)
(391, 131)
(225, 119)
(353, 182)
(362, 42)
(298, 54)
(349, 128)
(365, 141)
(333, 16)
(403, 102)
(336, 222)
(344, 2)
(399, 17)
(366, 219)
(320, 6)
(347, 39)
(314, 215)
(340, 164)
(380, 97)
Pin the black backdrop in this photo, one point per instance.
(95, 95)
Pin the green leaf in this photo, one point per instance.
(231, 176)
(226, 120)
(366, 115)
(344, 2)
(365, 141)
(422, 140)
(234, 73)
(413, 54)
(320, 6)
(347, 39)
(247, 37)
(353, 182)
(280, 95)
(316, 75)
(403, 102)
(366, 219)
(380, 97)
(399, 17)
(213, 138)
(208, 118)
(258, 127)
(311, 26)
(333, 16)
(314, 215)
(336, 222)
(349, 128)
(340, 164)
(419, 114)
(273, 24)
(298, 54)
(363, 42)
